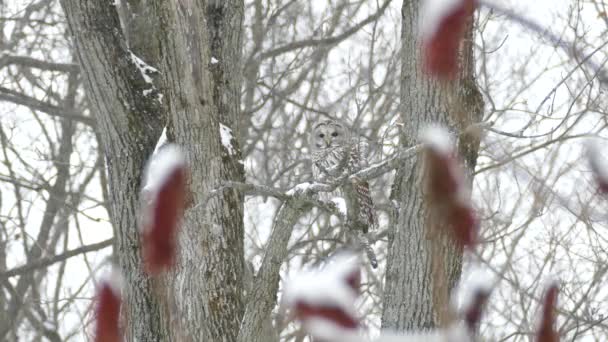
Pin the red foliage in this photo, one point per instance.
(106, 314)
(465, 225)
(353, 279)
(598, 166)
(546, 333)
(472, 315)
(440, 48)
(334, 314)
(167, 208)
(447, 195)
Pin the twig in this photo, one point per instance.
(47, 261)
(569, 47)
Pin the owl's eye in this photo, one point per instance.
(321, 135)
(334, 134)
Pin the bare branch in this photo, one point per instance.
(52, 110)
(326, 41)
(47, 261)
(29, 62)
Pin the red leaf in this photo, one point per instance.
(166, 191)
(464, 223)
(442, 40)
(159, 239)
(353, 279)
(472, 315)
(443, 174)
(336, 315)
(546, 333)
(327, 297)
(107, 313)
(598, 166)
(446, 187)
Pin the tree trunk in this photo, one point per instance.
(423, 264)
(197, 46)
(201, 80)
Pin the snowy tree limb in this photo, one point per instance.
(296, 203)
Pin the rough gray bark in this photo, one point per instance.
(129, 127)
(201, 44)
(201, 300)
(423, 265)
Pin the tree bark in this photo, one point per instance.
(129, 126)
(201, 44)
(423, 264)
(197, 46)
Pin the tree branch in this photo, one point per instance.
(568, 47)
(296, 202)
(52, 110)
(47, 261)
(29, 62)
(325, 41)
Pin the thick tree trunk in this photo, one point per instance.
(423, 264)
(129, 127)
(201, 80)
(197, 46)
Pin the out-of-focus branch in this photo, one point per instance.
(47, 261)
(326, 41)
(52, 110)
(568, 47)
(29, 62)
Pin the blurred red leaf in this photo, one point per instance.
(441, 43)
(598, 166)
(107, 313)
(323, 300)
(443, 174)
(464, 223)
(336, 315)
(546, 333)
(446, 187)
(353, 279)
(473, 312)
(167, 208)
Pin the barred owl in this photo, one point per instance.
(335, 152)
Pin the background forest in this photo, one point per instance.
(540, 212)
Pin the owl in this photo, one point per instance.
(336, 152)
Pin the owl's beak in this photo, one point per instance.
(327, 142)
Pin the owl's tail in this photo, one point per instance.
(369, 251)
(367, 213)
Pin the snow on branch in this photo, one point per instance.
(164, 197)
(446, 186)
(144, 68)
(305, 191)
(107, 309)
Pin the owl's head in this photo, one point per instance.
(327, 133)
